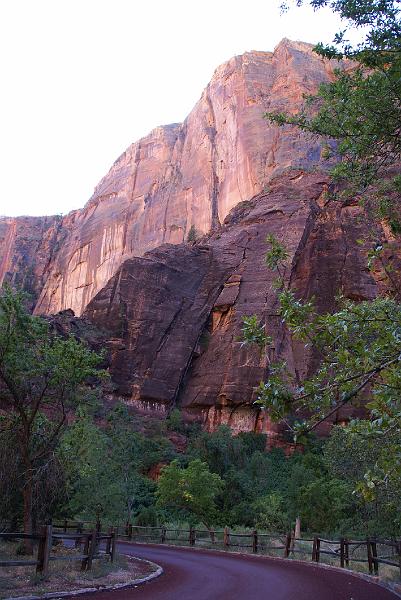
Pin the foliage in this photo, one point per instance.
(361, 108)
(107, 467)
(357, 349)
(48, 486)
(354, 456)
(269, 513)
(192, 489)
(324, 502)
(40, 378)
(192, 234)
(379, 21)
(253, 332)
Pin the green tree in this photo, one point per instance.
(360, 461)
(269, 513)
(361, 109)
(323, 504)
(357, 349)
(40, 378)
(105, 466)
(359, 357)
(192, 234)
(192, 489)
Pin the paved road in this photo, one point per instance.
(207, 575)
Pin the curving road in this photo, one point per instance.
(207, 575)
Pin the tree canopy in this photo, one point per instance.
(41, 375)
(358, 348)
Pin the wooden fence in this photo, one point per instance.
(343, 552)
(86, 542)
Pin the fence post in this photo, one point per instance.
(113, 545)
(44, 550)
(316, 549)
(255, 541)
(370, 560)
(130, 531)
(84, 562)
(399, 555)
(108, 541)
(65, 525)
(346, 548)
(41, 549)
(226, 537)
(287, 545)
(92, 550)
(374, 557)
(297, 533)
(192, 536)
(292, 541)
(342, 552)
(163, 534)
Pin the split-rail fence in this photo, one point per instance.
(343, 552)
(86, 542)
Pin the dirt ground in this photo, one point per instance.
(65, 575)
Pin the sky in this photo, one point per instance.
(80, 80)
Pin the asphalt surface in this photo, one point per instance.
(207, 575)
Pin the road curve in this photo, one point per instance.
(207, 575)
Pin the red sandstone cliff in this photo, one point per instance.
(171, 312)
(173, 318)
(180, 175)
(28, 245)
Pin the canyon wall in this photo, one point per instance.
(173, 318)
(170, 313)
(28, 246)
(180, 175)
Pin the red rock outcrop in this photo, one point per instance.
(27, 247)
(174, 316)
(187, 174)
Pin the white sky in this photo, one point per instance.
(82, 79)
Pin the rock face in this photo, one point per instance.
(174, 316)
(27, 247)
(189, 174)
(169, 312)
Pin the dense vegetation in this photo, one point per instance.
(106, 461)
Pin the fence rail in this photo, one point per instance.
(343, 551)
(88, 540)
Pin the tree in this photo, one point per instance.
(192, 234)
(40, 378)
(361, 109)
(358, 348)
(360, 461)
(192, 489)
(105, 467)
(269, 513)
